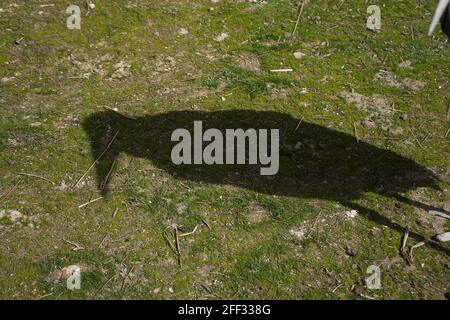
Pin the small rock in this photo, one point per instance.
(396, 131)
(204, 271)
(443, 237)
(63, 186)
(351, 214)
(91, 5)
(414, 85)
(121, 70)
(257, 215)
(183, 31)
(13, 215)
(405, 64)
(299, 55)
(350, 252)
(171, 290)
(121, 64)
(7, 80)
(170, 60)
(298, 233)
(248, 62)
(358, 289)
(119, 74)
(221, 37)
(368, 123)
(181, 208)
(388, 79)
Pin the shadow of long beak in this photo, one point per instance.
(438, 15)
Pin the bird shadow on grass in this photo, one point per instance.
(314, 161)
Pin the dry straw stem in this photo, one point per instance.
(281, 70)
(300, 11)
(189, 233)
(5, 195)
(417, 245)
(405, 239)
(177, 243)
(89, 202)
(36, 176)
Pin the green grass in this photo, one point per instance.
(41, 110)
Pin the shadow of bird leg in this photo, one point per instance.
(438, 211)
(382, 220)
